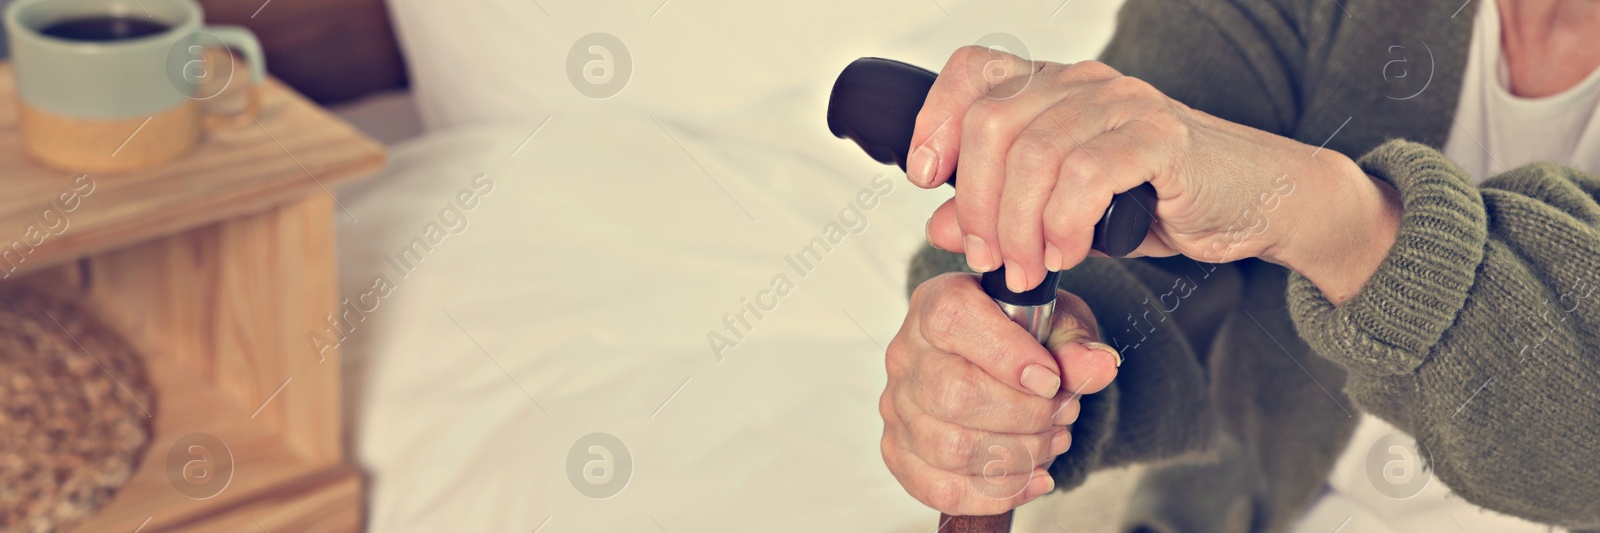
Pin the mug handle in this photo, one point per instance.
(244, 41)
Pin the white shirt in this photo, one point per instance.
(1496, 131)
(1378, 484)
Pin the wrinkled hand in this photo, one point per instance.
(1040, 148)
(975, 408)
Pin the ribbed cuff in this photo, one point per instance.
(1419, 288)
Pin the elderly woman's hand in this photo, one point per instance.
(975, 408)
(1041, 147)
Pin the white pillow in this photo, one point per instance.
(502, 60)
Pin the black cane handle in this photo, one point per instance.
(875, 103)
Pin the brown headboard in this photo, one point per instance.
(330, 50)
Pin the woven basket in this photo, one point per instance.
(75, 413)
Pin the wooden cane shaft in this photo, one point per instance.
(1000, 523)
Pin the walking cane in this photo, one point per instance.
(875, 103)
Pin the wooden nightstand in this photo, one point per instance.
(218, 267)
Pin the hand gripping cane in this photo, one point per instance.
(875, 103)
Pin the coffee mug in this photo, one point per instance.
(112, 85)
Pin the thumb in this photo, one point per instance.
(1087, 365)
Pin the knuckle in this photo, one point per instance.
(1092, 69)
(979, 217)
(1164, 123)
(968, 53)
(890, 453)
(886, 407)
(1018, 238)
(1065, 226)
(956, 448)
(946, 495)
(896, 354)
(1037, 417)
(985, 119)
(1078, 168)
(1129, 87)
(1019, 78)
(1021, 235)
(1055, 212)
(947, 317)
(1035, 154)
(960, 394)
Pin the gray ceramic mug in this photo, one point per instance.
(88, 104)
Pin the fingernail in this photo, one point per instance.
(1016, 279)
(923, 165)
(1060, 442)
(978, 257)
(1116, 357)
(1041, 381)
(1065, 413)
(927, 232)
(1052, 257)
(1040, 484)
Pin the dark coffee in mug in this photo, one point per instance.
(104, 28)
(115, 85)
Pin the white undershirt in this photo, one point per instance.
(1374, 486)
(1496, 131)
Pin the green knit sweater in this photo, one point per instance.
(1479, 334)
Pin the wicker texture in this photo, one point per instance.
(76, 411)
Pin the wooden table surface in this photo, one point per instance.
(292, 148)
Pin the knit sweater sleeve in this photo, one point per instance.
(1479, 333)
